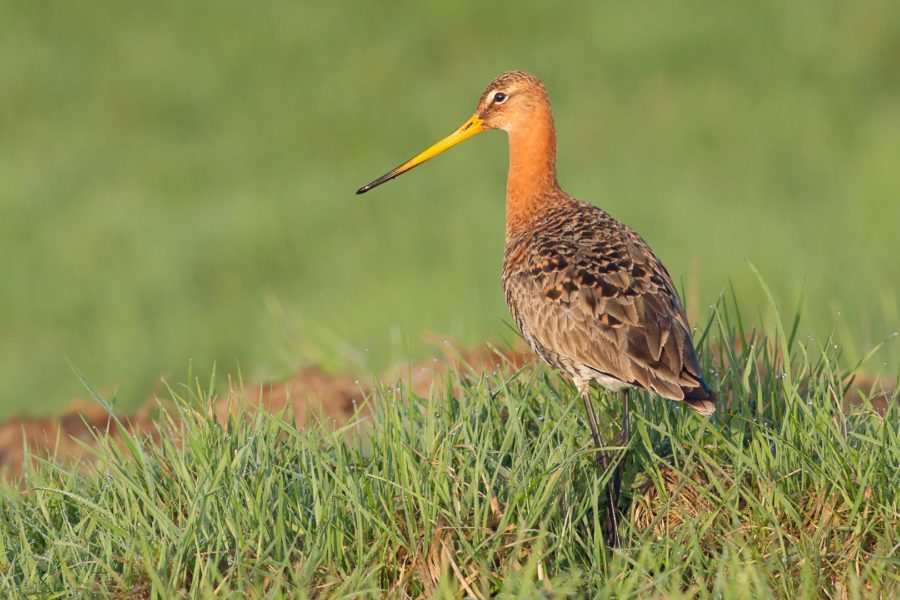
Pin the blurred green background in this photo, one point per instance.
(177, 179)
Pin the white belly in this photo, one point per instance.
(610, 383)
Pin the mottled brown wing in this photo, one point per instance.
(592, 295)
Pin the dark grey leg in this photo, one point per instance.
(611, 531)
(624, 439)
(625, 435)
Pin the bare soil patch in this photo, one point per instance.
(310, 393)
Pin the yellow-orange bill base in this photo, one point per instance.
(471, 127)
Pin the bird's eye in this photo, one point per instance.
(499, 98)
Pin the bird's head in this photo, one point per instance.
(509, 102)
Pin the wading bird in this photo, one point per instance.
(586, 291)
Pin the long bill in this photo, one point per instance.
(471, 127)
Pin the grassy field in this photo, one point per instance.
(176, 187)
(176, 180)
(486, 487)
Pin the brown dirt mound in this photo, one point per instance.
(311, 392)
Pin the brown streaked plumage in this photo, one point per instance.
(592, 299)
(586, 291)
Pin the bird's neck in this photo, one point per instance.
(532, 171)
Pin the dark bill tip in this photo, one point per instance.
(377, 182)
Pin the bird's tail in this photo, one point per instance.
(702, 399)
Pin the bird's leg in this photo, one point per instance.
(624, 439)
(625, 434)
(611, 533)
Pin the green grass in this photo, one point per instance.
(486, 486)
(176, 179)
